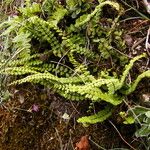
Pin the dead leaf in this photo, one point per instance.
(128, 40)
(21, 99)
(83, 144)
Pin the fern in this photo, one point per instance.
(22, 44)
(86, 18)
(133, 86)
(17, 71)
(96, 118)
(57, 16)
(128, 67)
(30, 10)
(81, 87)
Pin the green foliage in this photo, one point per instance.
(57, 16)
(142, 116)
(127, 119)
(99, 117)
(30, 10)
(58, 46)
(133, 86)
(22, 44)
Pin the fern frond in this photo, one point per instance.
(22, 61)
(86, 18)
(30, 10)
(128, 67)
(22, 44)
(57, 15)
(133, 85)
(11, 25)
(96, 118)
(93, 93)
(17, 71)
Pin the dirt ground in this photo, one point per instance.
(33, 119)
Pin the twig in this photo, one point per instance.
(121, 136)
(70, 69)
(70, 139)
(142, 15)
(122, 53)
(135, 117)
(147, 45)
(75, 107)
(60, 61)
(20, 109)
(137, 4)
(96, 144)
(60, 140)
(137, 43)
(131, 18)
(147, 63)
(137, 26)
(138, 30)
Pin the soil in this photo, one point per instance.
(35, 118)
(23, 127)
